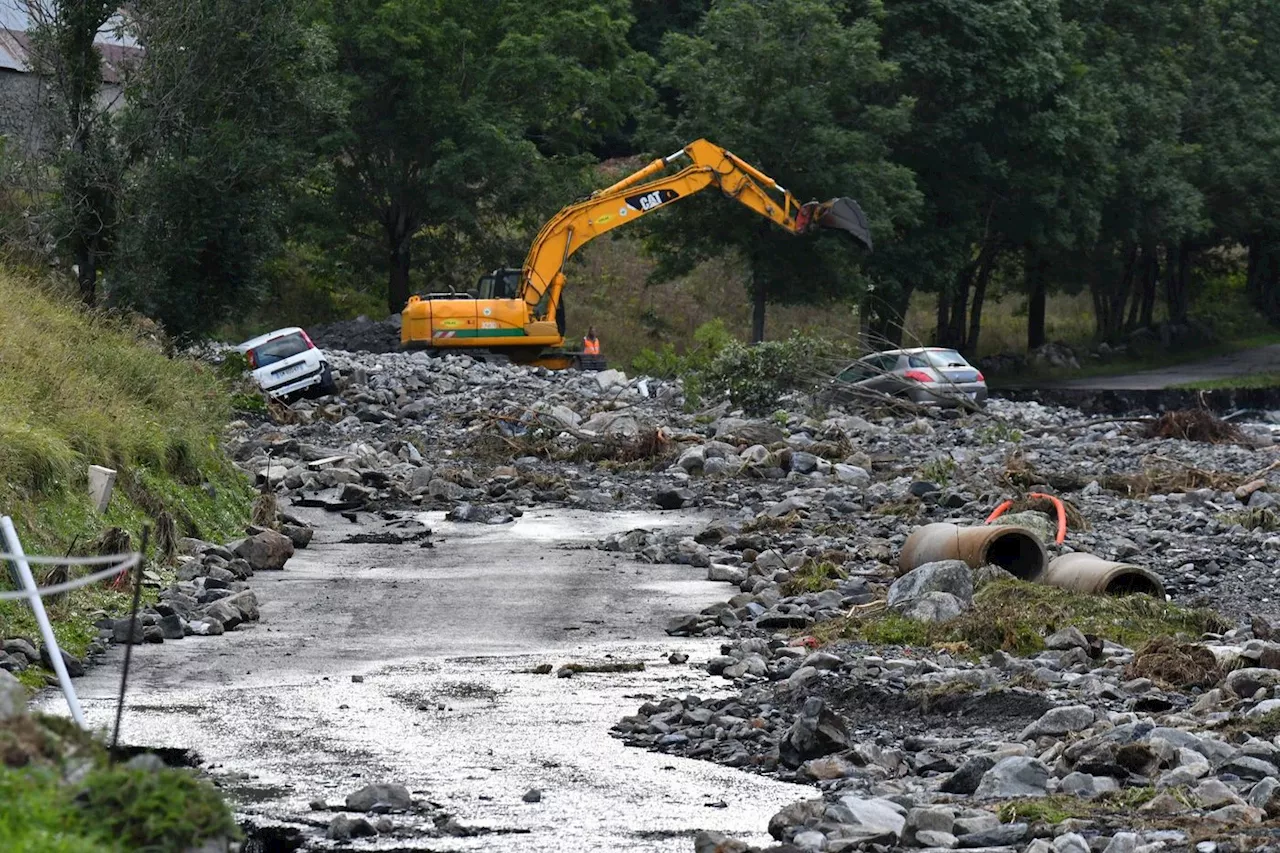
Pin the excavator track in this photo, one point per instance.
(552, 360)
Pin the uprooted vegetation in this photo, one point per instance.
(1061, 807)
(1159, 475)
(1252, 519)
(1195, 425)
(1179, 665)
(754, 378)
(1016, 616)
(536, 436)
(813, 576)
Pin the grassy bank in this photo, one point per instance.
(79, 389)
(1226, 383)
(1016, 616)
(1156, 360)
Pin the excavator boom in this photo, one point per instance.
(532, 317)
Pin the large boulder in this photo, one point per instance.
(265, 550)
(874, 817)
(796, 814)
(380, 798)
(673, 498)
(817, 731)
(1015, 776)
(1060, 721)
(616, 425)
(933, 607)
(968, 775)
(1248, 681)
(934, 591)
(738, 431)
(225, 614)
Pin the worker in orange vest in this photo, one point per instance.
(591, 344)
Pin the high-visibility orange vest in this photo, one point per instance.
(590, 346)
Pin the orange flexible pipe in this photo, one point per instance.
(1057, 505)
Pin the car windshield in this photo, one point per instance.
(945, 358)
(279, 349)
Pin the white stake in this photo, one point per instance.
(14, 547)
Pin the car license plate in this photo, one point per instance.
(288, 371)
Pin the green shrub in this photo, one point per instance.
(709, 340)
(756, 377)
(160, 810)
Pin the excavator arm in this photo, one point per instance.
(542, 277)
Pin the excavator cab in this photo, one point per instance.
(499, 284)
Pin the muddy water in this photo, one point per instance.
(440, 642)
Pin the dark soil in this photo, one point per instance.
(941, 712)
(359, 335)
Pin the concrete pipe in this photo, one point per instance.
(1017, 550)
(1087, 573)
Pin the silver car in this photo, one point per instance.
(926, 375)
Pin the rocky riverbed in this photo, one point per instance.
(950, 708)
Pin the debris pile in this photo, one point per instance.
(942, 705)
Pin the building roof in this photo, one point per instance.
(117, 48)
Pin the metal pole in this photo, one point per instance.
(14, 547)
(133, 626)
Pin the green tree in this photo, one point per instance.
(219, 125)
(801, 93)
(1232, 120)
(994, 131)
(64, 53)
(1135, 62)
(469, 120)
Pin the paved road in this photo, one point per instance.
(1244, 363)
(443, 638)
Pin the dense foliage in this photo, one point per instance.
(1123, 148)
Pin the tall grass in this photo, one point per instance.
(79, 389)
(607, 288)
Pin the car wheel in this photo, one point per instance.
(327, 385)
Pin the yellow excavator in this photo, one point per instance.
(519, 313)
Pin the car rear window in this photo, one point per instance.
(945, 358)
(279, 349)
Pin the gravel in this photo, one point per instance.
(921, 747)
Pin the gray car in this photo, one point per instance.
(926, 375)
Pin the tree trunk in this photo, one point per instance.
(398, 281)
(988, 265)
(759, 295)
(1135, 291)
(1112, 301)
(1253, 280)
(1150, 278)
(955, 330)
(944, 316)
(1264, 277)
(87, 271)
(888, 316)
(1037, 288)
(399, 230)
(1178, 281)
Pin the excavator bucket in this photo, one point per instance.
(845, 214)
